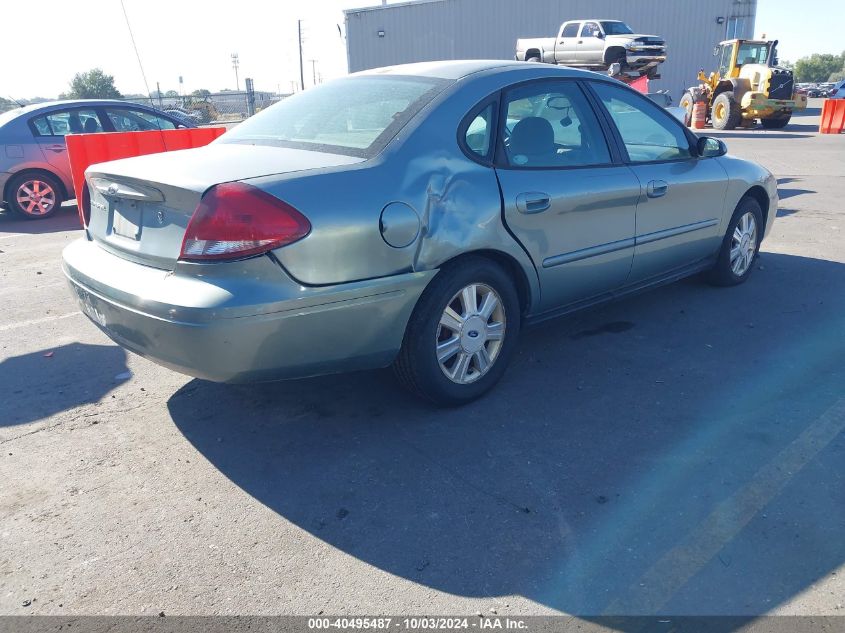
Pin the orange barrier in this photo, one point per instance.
(833, 116)
(85, 150)
(640, 84)
(699, 115)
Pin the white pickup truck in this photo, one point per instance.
(597, 45)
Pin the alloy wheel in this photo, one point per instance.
(470, 333)
(36, 197)
(743, 244)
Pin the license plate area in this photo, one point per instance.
(127, 219)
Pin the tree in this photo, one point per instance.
(5, 104)
(202, 93)
(818, 67)
(171, 93)
(93, 84)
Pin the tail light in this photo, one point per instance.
(237, 220)
(84, 206)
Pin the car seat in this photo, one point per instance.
(532, 142)
(91, 126)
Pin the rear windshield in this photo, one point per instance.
(356, 116)
(7, 116)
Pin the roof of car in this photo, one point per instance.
(458, 69)
(44, 105)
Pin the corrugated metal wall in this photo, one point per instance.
(488, 29)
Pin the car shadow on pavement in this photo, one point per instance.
(680, 452)
(65, 219)
(40, 384)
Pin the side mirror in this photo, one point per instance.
(600, 35)
(716, 51)
(708, 147)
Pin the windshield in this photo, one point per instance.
(616, 28)
(356, 116)
(752, 53)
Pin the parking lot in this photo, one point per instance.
(681, 452)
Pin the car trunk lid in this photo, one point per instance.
(140, 207)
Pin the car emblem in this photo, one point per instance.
(160, 217)
(472, 334)
(113, 188)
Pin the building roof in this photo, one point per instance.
(392, 5)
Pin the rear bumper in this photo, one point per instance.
(242, 321)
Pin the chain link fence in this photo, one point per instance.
(213, 108)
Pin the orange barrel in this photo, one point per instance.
(699, 115)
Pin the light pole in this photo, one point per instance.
(301, 71)
(313, 71)
(235, 63)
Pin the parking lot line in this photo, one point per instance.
(656, 587)
(20, 324)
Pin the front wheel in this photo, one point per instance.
(462, 333)
(740, 245)
(34, 195)
(726, 113)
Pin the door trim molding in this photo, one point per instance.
(612, 247)
(592, 251)
(648, 238)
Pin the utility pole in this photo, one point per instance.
(158, 89)
(301, 70)
(235, 63)
(313, 71)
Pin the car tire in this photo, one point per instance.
(533, 59)
(776, 123)
(726, 113)
(687, 102)
(457, 345)
(35, 195)
(740, 245)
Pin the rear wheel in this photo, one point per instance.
(740, 245)
(776, 123)
(462, 333)
(726, 113)
(687, 102)
(534, 59)
(34, 195)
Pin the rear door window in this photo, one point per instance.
(551, 124)
(570, 30)
(64, 122)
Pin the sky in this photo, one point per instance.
(196, 39)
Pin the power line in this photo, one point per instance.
(135, 46)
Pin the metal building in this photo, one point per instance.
(423, 30)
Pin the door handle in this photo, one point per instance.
(580, 41)
(533, 202)
(56, 148)
(656, 188)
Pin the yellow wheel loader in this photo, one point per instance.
(749, 85)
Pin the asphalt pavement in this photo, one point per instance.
(679, 452)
